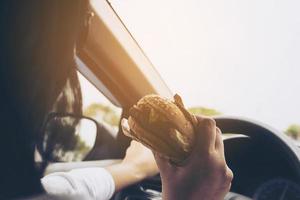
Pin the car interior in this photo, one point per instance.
(265, 162)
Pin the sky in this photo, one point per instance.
(240, 57)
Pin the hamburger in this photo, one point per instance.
(163, 125)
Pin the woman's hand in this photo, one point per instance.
(141, 159)
(205, 174)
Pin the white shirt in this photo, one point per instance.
(89, 183)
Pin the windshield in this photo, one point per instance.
(238, 57)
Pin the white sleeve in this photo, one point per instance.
(91, 183)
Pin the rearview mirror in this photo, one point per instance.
(66, 138)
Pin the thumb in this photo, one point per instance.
(163, 164)
(205, 135)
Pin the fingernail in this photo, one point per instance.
(125, 127)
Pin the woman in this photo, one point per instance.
(38, 45)
(38, 75)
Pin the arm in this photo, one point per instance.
(138, 164)
(100, 183)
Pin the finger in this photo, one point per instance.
(219, 145)
(205, 134)
(219, 140)
(163, 163)
(126, 129)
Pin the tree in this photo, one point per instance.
(103, 113)
(293, 131)
(203, 111)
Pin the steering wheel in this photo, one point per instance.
(151, 188)
(258, 131)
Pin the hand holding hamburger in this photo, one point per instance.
(175, 135)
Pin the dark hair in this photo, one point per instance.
(37, 68)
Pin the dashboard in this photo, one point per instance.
(265, 163)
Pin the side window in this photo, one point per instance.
(98, 107)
